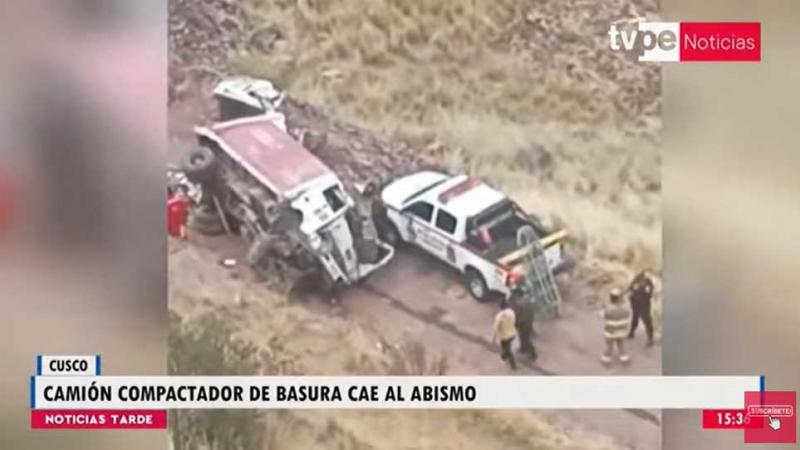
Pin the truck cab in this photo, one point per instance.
(469, 225)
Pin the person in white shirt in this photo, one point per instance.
(505, 331)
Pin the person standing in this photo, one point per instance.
(177, 211)
(524, 312)
(641, 294)
(505, 331)
(616, 316)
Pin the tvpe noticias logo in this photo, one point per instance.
(688, 41)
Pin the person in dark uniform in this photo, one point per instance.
(641, 294)
(524, 311)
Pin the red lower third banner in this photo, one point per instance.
(730, 419)
(98, 419)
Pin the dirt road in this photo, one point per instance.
(415, 298)
(431, 298)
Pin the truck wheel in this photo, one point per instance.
(476, 285)
(200, 166)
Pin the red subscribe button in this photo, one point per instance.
(96, 419)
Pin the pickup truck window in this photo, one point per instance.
(445, 221)
(494, 215)
(423, 210)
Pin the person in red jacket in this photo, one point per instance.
(177, 210)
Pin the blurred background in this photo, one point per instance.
(732, 212)
(82, 246)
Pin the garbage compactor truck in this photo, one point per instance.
(259, 182)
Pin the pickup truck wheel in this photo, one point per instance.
(476, 285)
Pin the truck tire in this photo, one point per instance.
(476, 285)
(200, 166)
(257, 250)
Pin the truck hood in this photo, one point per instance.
(396, 192)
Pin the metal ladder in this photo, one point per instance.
(540, 284)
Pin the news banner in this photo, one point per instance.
(70, 392)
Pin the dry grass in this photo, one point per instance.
(406, 67)
(522, 92)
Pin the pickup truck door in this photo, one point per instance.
(446, 225)
(421, 229)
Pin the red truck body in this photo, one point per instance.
(268, 153)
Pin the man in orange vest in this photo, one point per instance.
(616, 318)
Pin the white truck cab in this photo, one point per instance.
(467, 224)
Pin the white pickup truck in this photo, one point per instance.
(467, 224)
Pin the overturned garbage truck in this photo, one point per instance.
(258, 181)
